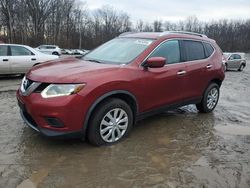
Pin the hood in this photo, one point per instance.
(69, 70)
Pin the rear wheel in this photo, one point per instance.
(241, 68)
(110, 122)
(55, 53)
(209, 99)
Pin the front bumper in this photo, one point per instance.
(34, 110)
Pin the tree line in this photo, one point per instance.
(70, 24)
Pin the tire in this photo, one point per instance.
(55, 53)
(105, 131)
(226, 67)
(210, 99)
(241, 67)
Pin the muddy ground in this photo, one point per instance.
(181, 148)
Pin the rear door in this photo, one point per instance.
(199, 66)
(164, 86)
(4, 60)
(232, 62)
(238, 60)
(21, 59)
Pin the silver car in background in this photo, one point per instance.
(235, 61)
(18, 59)
(49, 49)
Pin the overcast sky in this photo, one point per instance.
(174, 10)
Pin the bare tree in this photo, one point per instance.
(69, 24)
(7, 9)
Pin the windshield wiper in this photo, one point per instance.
(93, 60)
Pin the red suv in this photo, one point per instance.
(101, 95)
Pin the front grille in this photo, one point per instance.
(27, 83)
(28, 86)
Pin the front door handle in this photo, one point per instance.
(5, 59)
(180, 73)
(33, 59)
(209, 66)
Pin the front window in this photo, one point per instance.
(169, 50)
(119, 51)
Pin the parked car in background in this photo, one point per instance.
(18, 59)
(50, 49)
(235, 61)
(66, 51)
(79, 52)
(103, 94)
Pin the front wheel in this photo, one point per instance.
(110, 122)
(210, 98)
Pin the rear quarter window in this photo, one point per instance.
(208, 49)
(194, 50)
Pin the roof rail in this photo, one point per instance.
(183, 32)
(127, 33)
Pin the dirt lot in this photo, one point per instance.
(181, 148)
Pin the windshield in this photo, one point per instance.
(118, 51)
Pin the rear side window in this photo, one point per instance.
(237, 56)
(20, 51)
(209, 49)
(194, 50)
(51, 47)
(169, 50)
(3, 50)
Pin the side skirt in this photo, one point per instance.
(166, 108)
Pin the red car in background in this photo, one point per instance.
(101, 95)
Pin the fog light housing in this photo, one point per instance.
(54, 122)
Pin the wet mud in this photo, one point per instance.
(180, 148)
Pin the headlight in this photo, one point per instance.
(56, 90)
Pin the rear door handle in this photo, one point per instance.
(33, 59)
(209, 66)
(180, 73)
(5, 59)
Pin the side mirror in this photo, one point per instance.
(155, 62)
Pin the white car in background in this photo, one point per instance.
(66, 51)
(49, 49)
(79, 52)
(18, 59)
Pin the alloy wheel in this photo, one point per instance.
(114, 125)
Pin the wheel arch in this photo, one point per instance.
(120, 94)
(36, 64)
(217, 81)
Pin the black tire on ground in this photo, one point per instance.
(93, 133)
(226, 68)
(241, 68)
(203, 106)
(55, 53)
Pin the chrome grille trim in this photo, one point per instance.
(25, 91)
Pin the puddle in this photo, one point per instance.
(234, 129)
